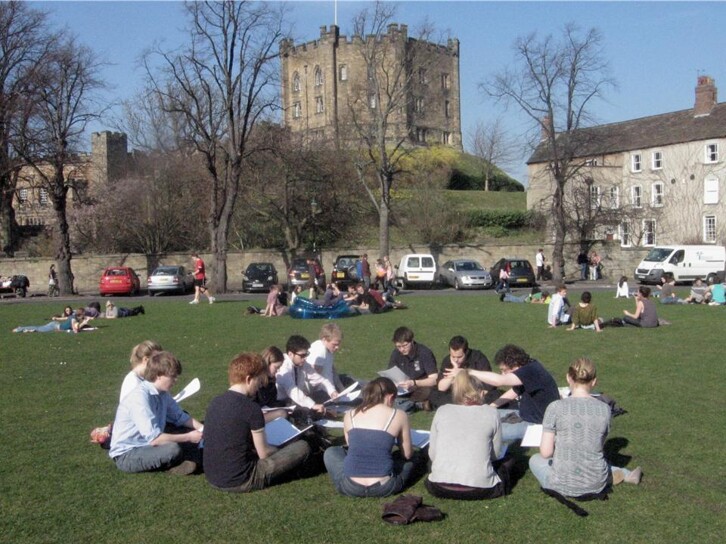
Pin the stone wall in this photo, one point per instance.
(617, 262)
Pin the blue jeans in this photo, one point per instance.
(48, 327)
(335, 457)
(514, 298)
(150, 458)
(512, 431)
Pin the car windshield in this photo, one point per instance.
(522, 265)
(165, 271)
(468, 266)
(116, 272)
(345, 262)
(264, 268)
(658, 254)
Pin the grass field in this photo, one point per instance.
(56, 487)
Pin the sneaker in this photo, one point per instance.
(185, 468)
(634, 477)
(193, 302)
(211, 300)
(618, 477)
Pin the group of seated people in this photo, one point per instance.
(713, 294)
(473, 425)
(76, 320)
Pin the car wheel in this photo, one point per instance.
(457, 285)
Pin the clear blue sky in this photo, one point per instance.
(656, 49)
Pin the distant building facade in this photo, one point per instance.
(323, 81)
(107, 162)
(661, 175)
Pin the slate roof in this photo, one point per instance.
(646, 132)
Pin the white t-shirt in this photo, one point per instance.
(322, 360)
(130, 382)
(539, 259)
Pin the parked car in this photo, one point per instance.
(170, 279)
(345, 271)
(299, 274)
(18, 284)
(259, 277)
(416, 269)
(119, 280)
(464, 274)
(521, 273)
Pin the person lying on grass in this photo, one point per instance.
(237, 457)
(530, 382)
(139, 442)
(570, 459)
(71, 323)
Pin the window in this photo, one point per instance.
(422, 77)
(23, 196)
(445, 81)
(635, 162)
(421, 135)
(372, 102)
(446, 138)
(296, 110)
(710, 190)
(709, 229)
(594, 197)
(419, 105)
(657, 160)
(614, 198)
(318, 76)
(44, 197)
(649, 232)
(319, 106)
(343, 70)
(635, 196)
(447, 108)
(656, 195)
(625, 238)
(711, 152)
(296, 82)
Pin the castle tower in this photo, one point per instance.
(109, 156)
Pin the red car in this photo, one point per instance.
(119, 280)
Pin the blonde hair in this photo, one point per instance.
(330, 332)
(582, 371)
(466, 389)
(144, 349)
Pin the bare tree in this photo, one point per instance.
(379, 108)
(555, 82)
(221, 84)
(25, 42)
(63, 105)
(491, 143)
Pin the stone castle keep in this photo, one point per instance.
(326, 86)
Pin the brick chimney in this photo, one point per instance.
(706, 97)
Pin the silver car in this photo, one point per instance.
(464, 274)
(170, 279)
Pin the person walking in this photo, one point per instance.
(200, 281)
(540, 261)
(53, 290)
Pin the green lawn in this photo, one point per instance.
(56, 487)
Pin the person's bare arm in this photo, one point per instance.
(547, 445)
(497, 380)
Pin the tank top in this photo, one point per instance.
(649, 318)
(369, 451)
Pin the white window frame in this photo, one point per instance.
(23, 195)
(319, 104)
(614, 198)
(711, 153)
(296, 82)
(446, 137)
(318, 76)
(709, 229)
(595, 197)
(423, 78)
(636, 196)
(296, 110)
(447, 108)
(710, 189)
(626, 238)
(445, 81)
(420, 105)
(43, 197)
(636, 162)
(649, 238)
(343, 70)
(421, 135)
(372, 102)
(657, 194)
(656, 160)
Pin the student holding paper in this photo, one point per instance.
(571, 460)
(298, 380)
(368, 468)
(322, 353)
(418, 363)
(465, 437)
(266, 395)
(237, 457)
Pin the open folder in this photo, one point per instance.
(396, 375)
(280, 431)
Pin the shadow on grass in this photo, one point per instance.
(612, 449)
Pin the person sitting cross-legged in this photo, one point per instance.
(584, 314)
(237, 457)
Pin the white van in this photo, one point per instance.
(685, 262)
(416, 269)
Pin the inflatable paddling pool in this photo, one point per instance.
(304, 308)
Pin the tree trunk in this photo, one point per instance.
(63, 254)
(219, 256)
(8, 229)
(558, 249)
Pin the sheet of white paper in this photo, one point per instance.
(419, 438)
(564, 392)
(189, 390)
(395, 374)
(329, 423)
(280, 431)
(288, 409)
(346, 395)
(532, 436)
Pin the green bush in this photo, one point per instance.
(505, 219)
